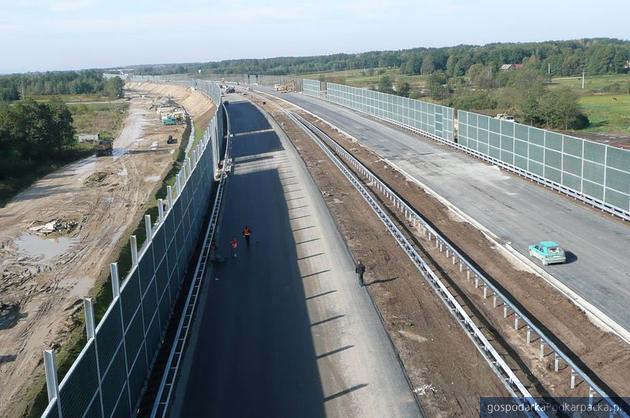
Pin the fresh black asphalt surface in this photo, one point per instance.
(283, 329)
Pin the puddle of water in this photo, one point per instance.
(46, 249)
(82, 287)
(119, 152)
(9, 317)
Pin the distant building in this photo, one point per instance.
(507, 67)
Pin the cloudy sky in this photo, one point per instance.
(38, 35)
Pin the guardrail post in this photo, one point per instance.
(590, 396)
(542, 349)
(52, 386)
(88, 309)
(556, 362)
(461, 267)
(113, 269)
(529, 335)
(515, 322)
(441, 247)
(467, 274)
(505, 311)
(133, 242)
(476, 281)
(494, 299)
(160, 210)
(147, 227)
(572, 379)
(485, 291)
(447, 252)
(453, 260)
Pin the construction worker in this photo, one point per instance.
(247, 233)
(360, 269)
(234, 244)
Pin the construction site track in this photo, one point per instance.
(499, 341)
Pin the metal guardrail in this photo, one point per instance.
(496, 362)
(167, 384)
(413, 216)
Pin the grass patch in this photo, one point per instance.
(92, 118)
(103, 295)
(616, 83)
(607, 112)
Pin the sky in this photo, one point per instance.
(41, 35)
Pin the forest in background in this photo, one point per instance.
(561, 58)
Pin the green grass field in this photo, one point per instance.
(97, 117)
(607, 112)
(595, 84)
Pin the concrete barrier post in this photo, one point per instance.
(148, 228)
(160, 210)
(169, 196)
(52, 385)
(134, 250)
(113, 269)
(88, 309)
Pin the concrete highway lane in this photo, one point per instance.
(515, 210)
(283, 329)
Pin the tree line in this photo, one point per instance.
(34, 134)
(560, 58)
(20, 86)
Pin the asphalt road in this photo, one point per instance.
(283, 329)
(515, 210)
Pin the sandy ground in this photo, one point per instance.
(605, 354)
(447, 372)
(98, 201)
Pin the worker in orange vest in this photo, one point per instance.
(234, 244)
(247, 233)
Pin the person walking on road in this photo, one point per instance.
(247, 233)
(234, 244)
(360, 269)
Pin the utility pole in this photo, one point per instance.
(583, 75)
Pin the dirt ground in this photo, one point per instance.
(447, 372)
(90, 207)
